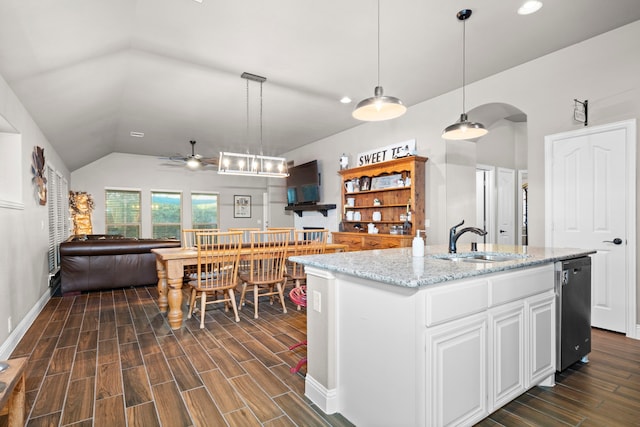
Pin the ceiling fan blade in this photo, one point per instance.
(178, 159)
(209, 161)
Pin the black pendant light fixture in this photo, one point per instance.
(379, 107)
(463, 128)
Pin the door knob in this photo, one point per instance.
(503, 231)
(616, 241)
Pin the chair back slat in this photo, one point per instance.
(290, 230)
(218, 259)
(246, 232)
(267, 256)
(307, 242)
(189, 236)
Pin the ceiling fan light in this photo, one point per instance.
(464, 129)
(193, 163)
(379, 107)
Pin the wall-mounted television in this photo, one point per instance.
(303, 184)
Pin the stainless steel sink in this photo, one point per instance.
(481, 257)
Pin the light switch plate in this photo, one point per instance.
(317, 301)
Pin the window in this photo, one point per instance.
(204, 210)
(58, 204)
(123, 212)
(166, 218)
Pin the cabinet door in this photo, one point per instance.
(506, 354)
(542, 338)
(456, 374)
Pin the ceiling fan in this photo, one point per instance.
(195, 161)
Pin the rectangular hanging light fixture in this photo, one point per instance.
(252, 164)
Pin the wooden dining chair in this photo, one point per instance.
(307, 242)
(188, 241)
(217, 271)
(246, 232)
(290, 230)
(266, 268)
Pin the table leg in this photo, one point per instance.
(162, 286)
(175, 302)
(17, 405)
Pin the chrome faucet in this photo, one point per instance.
(453, 235)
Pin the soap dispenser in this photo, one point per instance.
(418, 245)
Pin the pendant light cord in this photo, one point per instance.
(378, 43)
(464, 64)
(261, 153)
(246, 132)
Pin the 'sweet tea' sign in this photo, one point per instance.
(390, 152)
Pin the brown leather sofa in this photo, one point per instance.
(93, 262)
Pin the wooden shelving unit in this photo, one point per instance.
(396, 199)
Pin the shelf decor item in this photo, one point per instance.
(389, 181)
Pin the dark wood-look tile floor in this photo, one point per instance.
(110, 359)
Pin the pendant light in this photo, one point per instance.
(379, 107)
(463, 128)
(247, 164)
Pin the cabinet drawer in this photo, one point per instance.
(521, 284)
(371, 242)
(384, 242)
(354, 243)
(451, 302)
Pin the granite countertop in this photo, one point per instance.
(398, 267)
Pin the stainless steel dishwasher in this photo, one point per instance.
(573, 309)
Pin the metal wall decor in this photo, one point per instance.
(39, 178)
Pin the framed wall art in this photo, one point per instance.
(241, 206)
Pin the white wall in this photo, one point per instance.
(603, 70)
(24, 271)
(146, 173)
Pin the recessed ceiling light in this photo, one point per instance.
(345, 100)
(529, 7)
(137, 134)
(198, 1)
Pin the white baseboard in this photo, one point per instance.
(635, 334)
(16, 335)
(327, 400)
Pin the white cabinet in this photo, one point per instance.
(456, 372)
(542, 352)
(506, 354)
(441, 355)
(487, 341)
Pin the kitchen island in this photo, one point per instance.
(444, 339)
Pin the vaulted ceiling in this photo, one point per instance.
(90, 72)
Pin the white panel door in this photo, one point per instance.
(506, 206)
(588, 210)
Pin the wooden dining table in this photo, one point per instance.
(171, 262)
